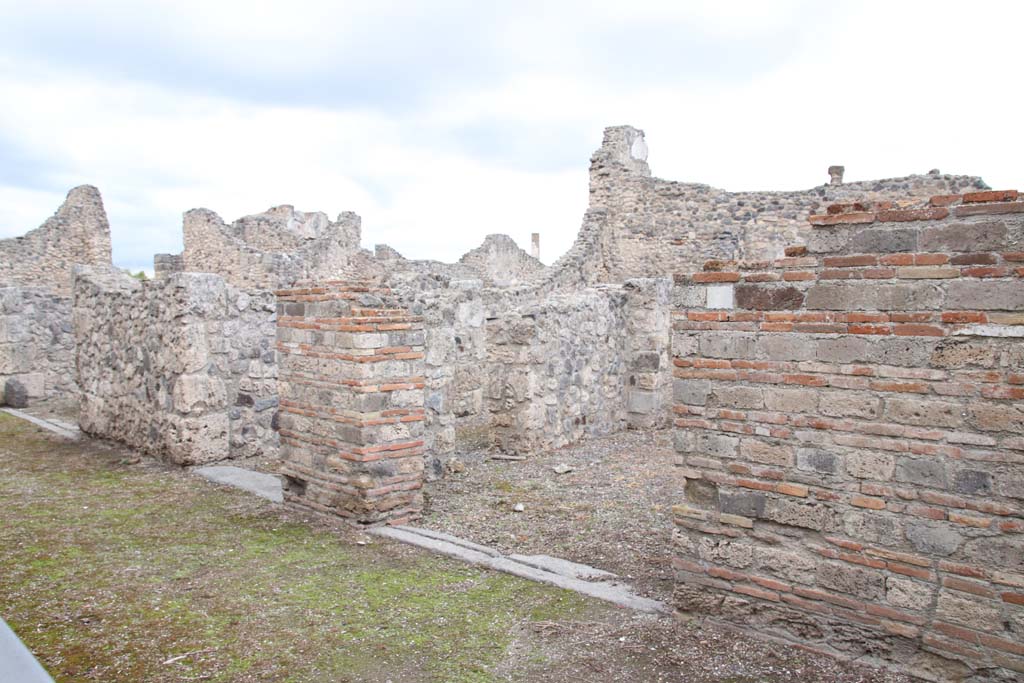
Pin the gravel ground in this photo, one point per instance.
(612, 511)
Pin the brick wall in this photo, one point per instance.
(351, 392)
(850, 424)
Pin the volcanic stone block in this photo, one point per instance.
(15, 393)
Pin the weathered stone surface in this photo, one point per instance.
(768, 298)
(78, 233)
(36, 342)
(933, 539)
(864, 583)
(857, 297)
(182, 368)
(964, 237)
(15, 393)
(988, 296)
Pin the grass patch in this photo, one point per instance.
(126, 573)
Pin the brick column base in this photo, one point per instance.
(351, 388)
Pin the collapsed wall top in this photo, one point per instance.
(638, 225)
(78, 233)
(275, 248)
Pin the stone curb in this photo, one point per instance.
(616, 593)
(17, 663)
(63, 429)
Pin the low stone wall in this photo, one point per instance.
(182, 368)
(351, 387)
(37, 347)
(850, 423)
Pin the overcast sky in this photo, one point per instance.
(440, 122)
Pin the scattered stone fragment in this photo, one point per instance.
(15, 394)
(562, 468)
(455, 466)
(518, 507)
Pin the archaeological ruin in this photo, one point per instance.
(842, 369)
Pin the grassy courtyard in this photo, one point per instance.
(115, 571)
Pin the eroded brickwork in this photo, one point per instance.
(850, 423)
(351, 387)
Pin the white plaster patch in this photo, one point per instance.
(990, 331)
(638, 150)
(721, 296)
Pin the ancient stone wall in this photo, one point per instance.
(641, 226)
(850, 424)
(182, 368)
(37, 347)
(275, 248)
(578, 364)
(77, 234)
(165, 265)
(500, 261)
(455, 369)
(648, 389)
(497, 262)
(351, 386)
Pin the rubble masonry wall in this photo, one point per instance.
(641, 226)
(37, 346)
(570, 365)
(182, 368)
(78, 233)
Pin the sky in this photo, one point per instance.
(441, 122)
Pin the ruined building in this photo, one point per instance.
(841, 368)
(37, 357)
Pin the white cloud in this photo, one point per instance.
(442, 123)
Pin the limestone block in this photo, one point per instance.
(198, 393)
(721, 296)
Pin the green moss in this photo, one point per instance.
(109, 571)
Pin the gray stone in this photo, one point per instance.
(817, 460)
(932, 539)
(744, 503)
(923, 472)
(15, 394)
(263, 485)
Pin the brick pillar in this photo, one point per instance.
(351, 387)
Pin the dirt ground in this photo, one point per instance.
(611, 511)
(119, 569)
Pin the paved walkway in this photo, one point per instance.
(17, 664)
